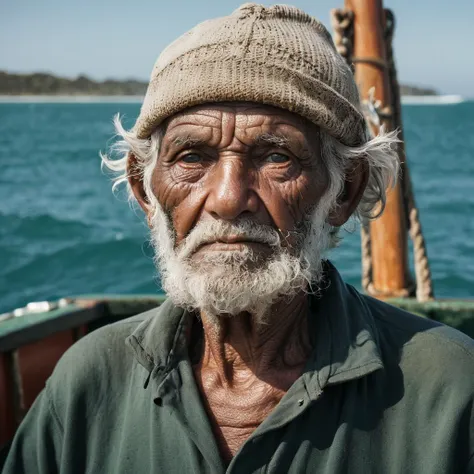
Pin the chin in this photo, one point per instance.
(230, 283)
(220, 261)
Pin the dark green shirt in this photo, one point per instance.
(383, 392)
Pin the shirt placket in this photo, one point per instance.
(302, 394)
(178, 391)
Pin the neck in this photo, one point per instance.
(238, 346)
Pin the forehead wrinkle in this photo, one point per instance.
(278, 127)
(194, 119)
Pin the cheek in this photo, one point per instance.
(289, 202)
(180, 198)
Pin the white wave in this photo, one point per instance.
(431, 99)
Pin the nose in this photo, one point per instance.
(230, 193)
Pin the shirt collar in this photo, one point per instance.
(344, 336)
(346, 345)
(158, 341)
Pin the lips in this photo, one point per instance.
(230, 240)
(233, 239)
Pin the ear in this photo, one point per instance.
(354, 187)
(135, 180)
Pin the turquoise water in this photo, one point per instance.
(62, 232)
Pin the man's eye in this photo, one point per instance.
(277, 158)
(191, 158)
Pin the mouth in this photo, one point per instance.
(232, 243)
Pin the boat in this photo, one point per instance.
(33, 338)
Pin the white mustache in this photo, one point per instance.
(213, 231)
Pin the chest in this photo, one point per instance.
(330, 435)
(350, 428)
(236, 412)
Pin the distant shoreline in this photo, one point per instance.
(43, 84)
(79, 99)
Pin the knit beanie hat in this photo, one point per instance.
(276, 55)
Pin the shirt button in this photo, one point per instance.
(300, 402)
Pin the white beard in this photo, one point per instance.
(231, 282)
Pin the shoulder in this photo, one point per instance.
(103, 345)
(96, 362)
(416, 329)
(423, 346)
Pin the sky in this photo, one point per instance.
(434, 44)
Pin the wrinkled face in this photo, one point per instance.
(239, 211)
(229, 162)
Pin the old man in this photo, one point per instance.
(249, 153)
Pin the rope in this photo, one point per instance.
(373, 61)
(424, 284)
(342, 23)
(366, 252)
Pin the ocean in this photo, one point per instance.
(63, 232)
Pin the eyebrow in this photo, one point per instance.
(187, 141)
(264, 139)
(273, 139)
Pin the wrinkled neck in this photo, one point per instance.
(236, 346)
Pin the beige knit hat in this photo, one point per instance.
(276, 55)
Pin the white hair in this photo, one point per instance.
(379, 154)
(146, 153)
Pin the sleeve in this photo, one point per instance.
(36, 447)
(470, 466)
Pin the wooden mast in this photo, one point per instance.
(390, 275)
